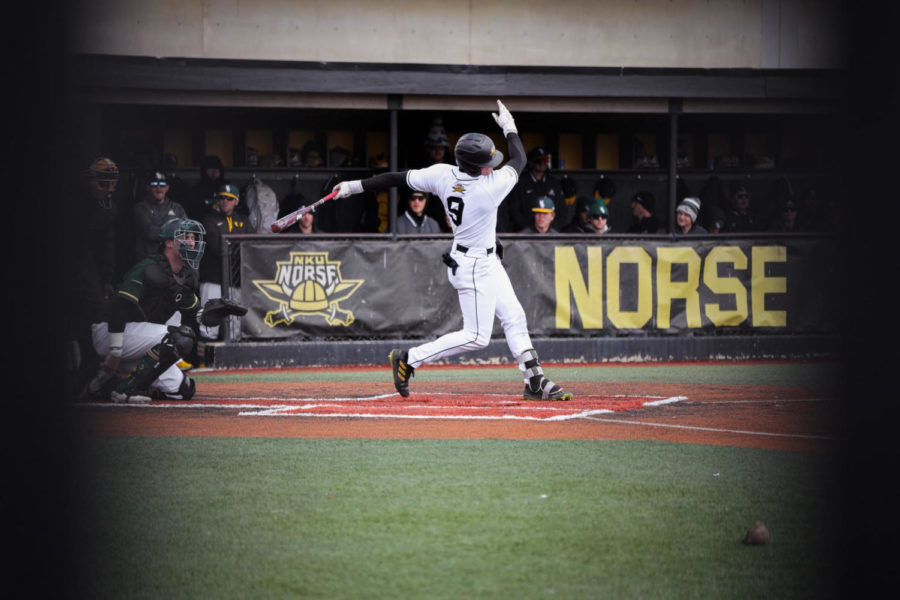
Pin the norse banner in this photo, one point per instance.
(399, 288)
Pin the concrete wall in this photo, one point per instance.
(771, 34)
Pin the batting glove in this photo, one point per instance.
(348, 188)
(504, 120)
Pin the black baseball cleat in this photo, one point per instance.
(402, 371)
(546, 391)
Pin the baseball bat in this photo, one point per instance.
(288, 220)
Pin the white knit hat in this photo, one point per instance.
(690, 207)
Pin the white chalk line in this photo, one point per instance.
(763, 401)
(714, 429)
(248, 408)
(580, 415)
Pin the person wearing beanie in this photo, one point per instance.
(642, 207)
(686, 217)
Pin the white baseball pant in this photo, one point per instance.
(484, 292)
(139, 338)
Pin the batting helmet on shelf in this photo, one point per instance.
(474, 151)
(188, 235)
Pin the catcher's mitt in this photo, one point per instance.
(216, 309)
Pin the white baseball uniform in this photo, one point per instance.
(481, 281)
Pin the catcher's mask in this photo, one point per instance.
(188, 236)
(474, 151)
(102, 176)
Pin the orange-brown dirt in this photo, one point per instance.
(770, 417)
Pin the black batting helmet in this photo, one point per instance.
(474, 151)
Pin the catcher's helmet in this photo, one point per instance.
(474, 151)
(188, 235)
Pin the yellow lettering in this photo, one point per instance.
(624, 319)
(760, 285)
(588, 298)
(726, 285)
(668, 290)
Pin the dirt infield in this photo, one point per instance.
(780, 418)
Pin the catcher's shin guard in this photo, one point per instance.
(179, 341)
(185, 391)
(537, 386)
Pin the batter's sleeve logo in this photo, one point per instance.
(308, 284)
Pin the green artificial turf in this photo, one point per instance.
(307, 518)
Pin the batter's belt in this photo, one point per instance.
(464, 249)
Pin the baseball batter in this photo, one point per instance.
(471, 193)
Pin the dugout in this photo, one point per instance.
(758, 94)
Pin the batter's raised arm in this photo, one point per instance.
(383, 181)
(517, 158)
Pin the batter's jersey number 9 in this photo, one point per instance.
(455, 206)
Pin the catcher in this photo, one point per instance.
(149, 338)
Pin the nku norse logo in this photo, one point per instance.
(308, 284)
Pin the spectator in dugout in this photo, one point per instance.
(309, 223)
(220, 218)
(643, 220)
(414, 219)
(738, 218)
(599, 215)
(581, 219)
(686, 217)
(152, 210)
(436, 151)
(535, 182)
(212, 173)
(89, 248)
(543, 212)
